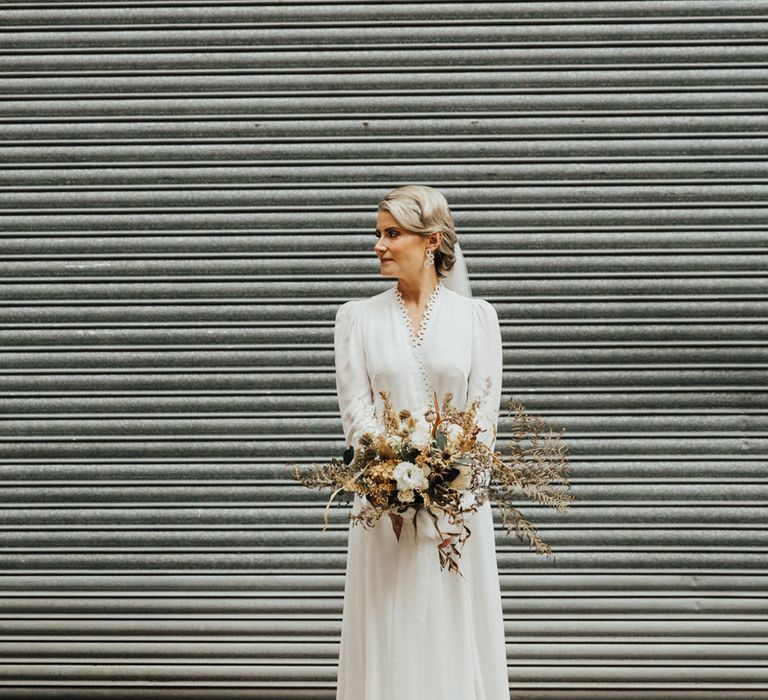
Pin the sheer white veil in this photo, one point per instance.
(458, 278)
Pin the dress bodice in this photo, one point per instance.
(376, 348)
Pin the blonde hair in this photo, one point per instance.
(424, 210)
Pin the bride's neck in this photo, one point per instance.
(418, 292)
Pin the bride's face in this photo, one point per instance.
(400, 252)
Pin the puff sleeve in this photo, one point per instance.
(353, 387)
(486, 362)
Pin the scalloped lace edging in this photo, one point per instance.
(417, 337)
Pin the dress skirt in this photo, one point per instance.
(412, 630)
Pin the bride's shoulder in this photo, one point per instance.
(483, 305)
(485, 312)
(480, 309)
(380, 298)
(364, 306)
(464, 301)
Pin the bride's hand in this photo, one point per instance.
(397, 523)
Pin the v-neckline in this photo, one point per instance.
(417, 338)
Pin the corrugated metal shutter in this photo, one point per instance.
(188, 196)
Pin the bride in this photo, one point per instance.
(409, 629)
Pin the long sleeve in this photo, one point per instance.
(486, 362)
(353, 386)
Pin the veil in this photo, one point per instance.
(458, 278)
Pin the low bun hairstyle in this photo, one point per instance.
(424, 210)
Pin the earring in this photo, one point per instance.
(429, 258)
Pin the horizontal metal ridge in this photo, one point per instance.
(750, 51)
(525, 235)
(170, 435)
(143, 342)
(529, 146)
(252, 462)
(283, 630)
(678, 324)
(704, 569)
(749, 175)
(725, 183)
(547, 136)
(334, 615)
(671, 652)
(672, 109)
(377, 38)
(577, 599)
(495, 78)
(135, 555)
(609, 423)
(306, 521)
(688, 512)
(333, 104)
(335, 541)
(541, 254)
(32, 296)
(329, 606)
(136, 658)
(468, 18)
(221, 11)
(217, 480)
(516, 198)
(143, 91)
(591, 467)
(668, 74)
(16, 412)
(555, 582)
(723, 276)
(29, 17)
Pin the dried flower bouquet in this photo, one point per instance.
(435, 461)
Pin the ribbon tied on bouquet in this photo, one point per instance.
(424, 525)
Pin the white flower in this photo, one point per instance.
(409, 476)
(395, 442)
(405, 496)
(454, 433)
(421, 436)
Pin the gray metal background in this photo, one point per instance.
(188, 195)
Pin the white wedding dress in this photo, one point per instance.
(411, 630)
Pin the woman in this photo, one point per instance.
(410, 629)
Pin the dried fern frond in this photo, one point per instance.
(513, 519)
(537, 469)
(323, 476)
(336, 475)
